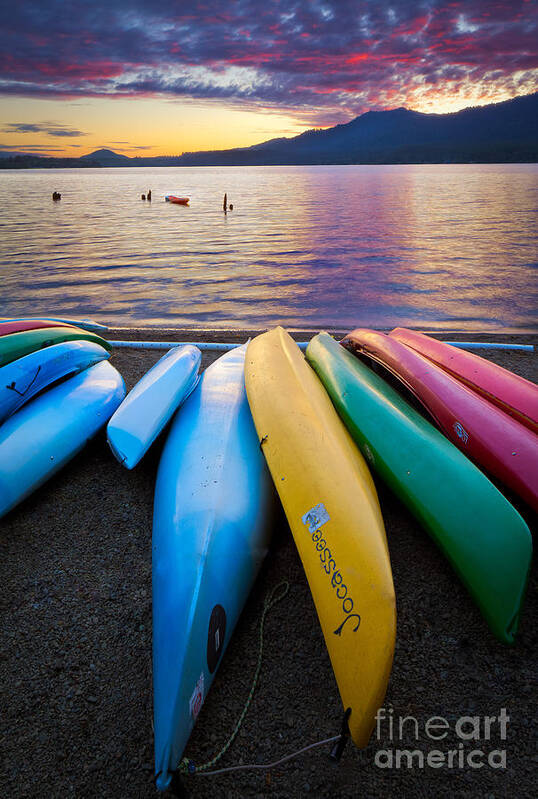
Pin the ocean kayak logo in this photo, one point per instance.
(471, 739)
(314, 519)
(461, 432)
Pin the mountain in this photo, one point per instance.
(501, 132)
(107, 158)
(506, 131)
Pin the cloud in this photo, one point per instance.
(323, 60)
(11, 149)
(50, 128)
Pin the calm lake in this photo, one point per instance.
(439, 247)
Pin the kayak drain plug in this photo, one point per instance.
(338, 749)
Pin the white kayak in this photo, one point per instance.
(40, 438)
(150, 405)
(213, 512)
(22, 379)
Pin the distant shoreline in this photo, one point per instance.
(39, 162)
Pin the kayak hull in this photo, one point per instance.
(333, 511)
(16, 345)
(482, 535)
(494, 440)
(85, 324)
(45, 434)
(22, 379)
(511, 393)
(148, 408)
(19, 326)
(212, 518)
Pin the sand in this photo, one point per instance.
(75, 673)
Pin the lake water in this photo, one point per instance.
(439, 247)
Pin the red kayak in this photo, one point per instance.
(513, 394)
(19, 326)
(171, 198)
(501, 445)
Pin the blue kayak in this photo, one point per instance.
(147, 409)
(40, 438)
(212, 518)
(25, 377)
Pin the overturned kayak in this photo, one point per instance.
(482, 535)
(22, 379)
(20, 325)
(494, 440)
(212, 517)
(85, 324)
(148, 408)
(513, 394)
(332, 508)
(171, 198)
(16, 345)
(45, 434)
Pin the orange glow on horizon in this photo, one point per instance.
(153, 126)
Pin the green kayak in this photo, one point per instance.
(15, 345)
(483, 536)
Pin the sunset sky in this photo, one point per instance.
(147, 77)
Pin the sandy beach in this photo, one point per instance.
(75, 673)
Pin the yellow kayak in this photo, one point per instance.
(332, 508)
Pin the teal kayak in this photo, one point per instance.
(482, 535)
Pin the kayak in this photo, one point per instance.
(85, 324)
(16, 345)
(213, 514)
(171, 198)
(513, 394)
(148, 408)
(18, 326)
(501, 445)
(482, 535)
(22, 379)
(333, 511)
(38, 440)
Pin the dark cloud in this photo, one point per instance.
(29, 149)
(327, 59)
(50, 128)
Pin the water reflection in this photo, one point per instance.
(435, 246)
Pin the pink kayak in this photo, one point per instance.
(511, 393)
(20, 325)
(501, 445)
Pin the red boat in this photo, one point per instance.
(511, 393)
(171, 198)
(494, 440)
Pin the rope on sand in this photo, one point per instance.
(187, 766)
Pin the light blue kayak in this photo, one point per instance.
(22, 379)
(40, 438)
(148, 408)
(213, 512)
